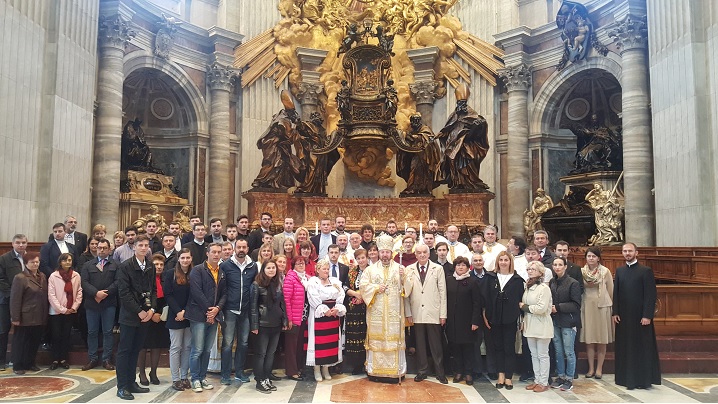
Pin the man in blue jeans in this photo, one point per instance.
(99, 288)
(207, 287)
(240, 272)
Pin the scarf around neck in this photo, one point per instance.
(67, 277)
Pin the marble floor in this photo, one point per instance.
(98, 386)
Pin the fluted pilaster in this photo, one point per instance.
(631, 36)
(517, 80)
(115, 32)
(220, 79)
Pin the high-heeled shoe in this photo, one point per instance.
(153, 379)
(143, 380)
(500, 385)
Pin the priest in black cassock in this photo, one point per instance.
(634, 302)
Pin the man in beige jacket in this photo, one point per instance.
(425, 307)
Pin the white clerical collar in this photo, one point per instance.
(265, 230)
(635, 260)
(200, 242)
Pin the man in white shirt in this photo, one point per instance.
(175, 229)
(324, 239)
(51, 251)
(491, 247)
(456, 247)
(517, 248)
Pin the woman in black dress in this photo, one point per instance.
(355, 320)
(463, 304)
(158, 337)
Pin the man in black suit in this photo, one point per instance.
(430, 241)
(324, 239)
(336, 268)
(137, 290)
(215, 232)
(11, 264)
(265, 226)
(541, 242)
(79, 240)
(51, 251)
(151, 231)
(442, 255)
(198, 246)
(188, 237)
(168, 250)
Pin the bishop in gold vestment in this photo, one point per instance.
(381, 288)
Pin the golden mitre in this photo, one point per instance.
(462, 92)
(385, 242)
(287, 100)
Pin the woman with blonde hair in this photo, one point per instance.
(501, 315)
(596, 306)
(537, 325)
(265, 254)
(118, 239)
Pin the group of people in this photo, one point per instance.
(358, 302)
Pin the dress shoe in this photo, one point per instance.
(442, 379)
(469, 380)
(274, 378)
(144, 382)
(540, 388)
(419, 377)
(509, 387)
(153, 379)
(531, 386)
(458, 378)
(108, 365)
(90, 365)
(135, 388)
(19, 372)
(178, 385)
(186, 384)
(125, 394)
(54, 365)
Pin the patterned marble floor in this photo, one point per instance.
(98, 386)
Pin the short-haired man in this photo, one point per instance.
(242, 227)
(433, 228)
(456, 247)
(176, 230)
(324, 239)
(345, 257)
(168, 251)
(491, 247)
(207, 297)
(265, 226)
(11, 264)
(231, 230)
(194, 219)
(215, 232)
(367, 235)
(430, 241)
(99, 291)
(336, 268)
(240, 272)
(227, 251)
(137, 291)
(127, 250)
(151, 231)
(198, 247)
(51, 251)
(79, 240)
(392, 230)
(517, 248)
(479, 271)
(288, 232)
(545, 254)
(354, 243)
(425, 307)
(442, 252)
(634, 302)
(340, 223)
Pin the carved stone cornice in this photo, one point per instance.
(309, 93)
(630, 33)
(516, 78)
(220, 77)
(115, 31)
(424, 92)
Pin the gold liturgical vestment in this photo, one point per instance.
(385, 346)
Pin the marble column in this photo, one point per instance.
(115, 32)
(220, 79)
(310, 88)
(423, 89)
(631, 37)
(518, 80)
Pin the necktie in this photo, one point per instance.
(422, 274)
(102, 264)
(334, 270)
(452, 254)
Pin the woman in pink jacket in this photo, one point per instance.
(295, 299)
(64, 292)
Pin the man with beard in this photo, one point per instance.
(340, 224)
(381, 287)
(465, 143)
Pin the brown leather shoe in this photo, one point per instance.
(540, 388)
(107, 365)
(91, 365)
(531, 386)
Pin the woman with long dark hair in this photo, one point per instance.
(307, 251)
(175, 284)
(268, 317)
(566, 315)
(64, 292)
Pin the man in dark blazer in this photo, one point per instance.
(265, 226)
(168, 250)
(214, 235)
(188, 237)
(51, 251)
(324, 239)
(99, 290)
(79, 240)
(541, 242)
(11, 264)
(151, 231)
(336, 268)
(198, 246)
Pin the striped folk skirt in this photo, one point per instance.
(326, 338)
